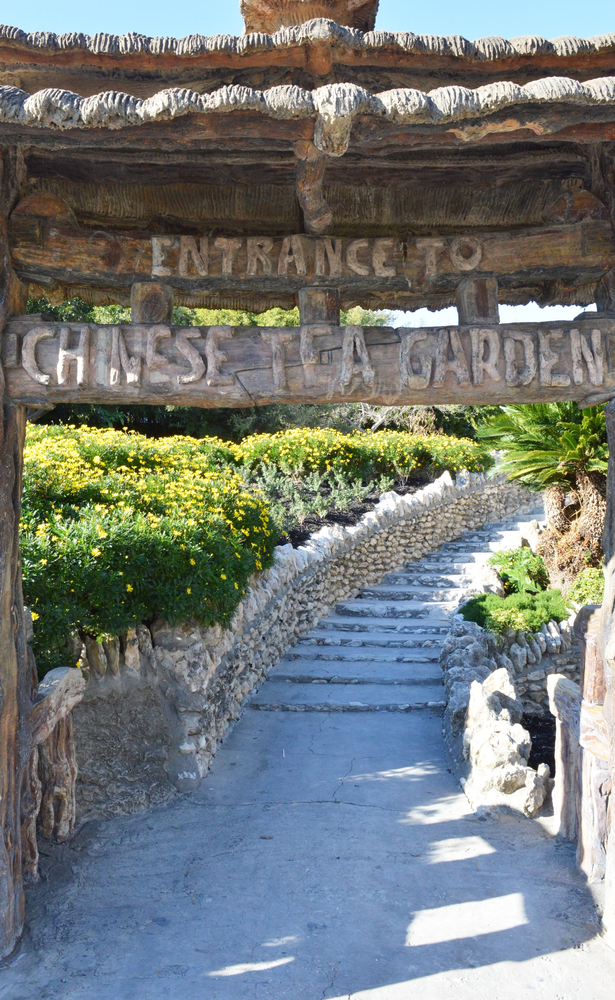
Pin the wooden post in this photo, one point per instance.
(608, 639)
(591, 855)
(311, 164)
(15, 675)
(151, 302)
(565, 705)
(477, 301)
(319, 306)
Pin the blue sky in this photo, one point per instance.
(473, 18)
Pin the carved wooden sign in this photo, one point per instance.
(45, 250)
(224, 366)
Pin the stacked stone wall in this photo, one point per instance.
(202, 677)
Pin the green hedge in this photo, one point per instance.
(524, 612)
(362, 456)
(117, 528)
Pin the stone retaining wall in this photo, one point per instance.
(158, 701)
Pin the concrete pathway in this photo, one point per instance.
(329, 853)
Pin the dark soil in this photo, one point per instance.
(300, 533)
(542, 730)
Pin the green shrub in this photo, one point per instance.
(588, 587)
(525, 612)
(520, 570)
(117, 528)
(361, 456)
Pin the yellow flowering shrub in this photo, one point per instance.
(117, 528)
(362, 456)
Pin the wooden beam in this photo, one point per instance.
(49, 252)
(49, 363)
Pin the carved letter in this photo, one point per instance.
(430, 249)
(200, 257)
(333, 250)
(351, 257)
(159, 246)
(277, 339)
(259, 248)
(152, 358)
(291, 252)
(354, 340)
(465, 253)
(28, 353)
(229, 248)
(121, 359)
(379, 256)
(480, 364)
(548, 358)
(307, 334)
(458, 365)
(409, 338)
(197, 365)
(581, 351)
(78, 354)
(528, 372)
(216, 357)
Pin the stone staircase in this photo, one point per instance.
(379, 651)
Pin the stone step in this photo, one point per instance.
(360, 654)
(388, 592)
(421, 578)
(286, 696)
(386, 609)
(426, 624)
(369, 640)
(376, 672)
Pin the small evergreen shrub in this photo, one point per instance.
(526, 612)
(520, 570)
(588, 587)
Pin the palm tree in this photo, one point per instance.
(558, 448)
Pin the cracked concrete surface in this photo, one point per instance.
(325, 856)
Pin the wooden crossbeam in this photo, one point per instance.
(220, 366)
(54, 252)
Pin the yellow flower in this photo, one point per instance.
(222, 576)
(129, 588)
(188, 590)
(34, 615)
(95, 552)
(193, 562)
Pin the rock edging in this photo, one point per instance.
(184, 685)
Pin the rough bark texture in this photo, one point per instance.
(58, 770)
(565, 705)
(555, 514)
(608, 626)
(15, 676)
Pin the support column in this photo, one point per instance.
(608, 639)
(151, 302)
(311, 165)
(477, 301)
(15, 675)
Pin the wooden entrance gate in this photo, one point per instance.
(320, 166)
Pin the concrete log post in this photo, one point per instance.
(593, 739)
(565, 705)
(608, 641)
(15, 675)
